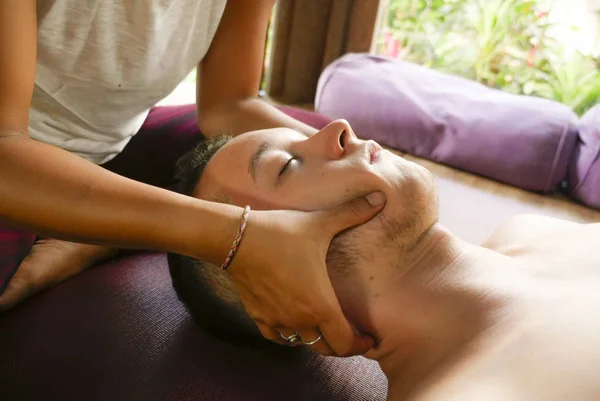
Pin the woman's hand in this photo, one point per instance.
(280, 274)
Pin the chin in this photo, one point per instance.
(411, 193)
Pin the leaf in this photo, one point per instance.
(490, 41)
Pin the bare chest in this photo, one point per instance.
(551, 354)
(570, 253)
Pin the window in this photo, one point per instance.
(531, 47)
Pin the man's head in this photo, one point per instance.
(283, 169)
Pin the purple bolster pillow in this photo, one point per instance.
(520, 140)
(584, 172)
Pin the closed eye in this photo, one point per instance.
(285, 166)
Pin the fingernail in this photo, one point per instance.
(376, 198)
(369, 341)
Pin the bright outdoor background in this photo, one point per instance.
(546, 48)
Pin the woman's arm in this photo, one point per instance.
(48, 190)
(230, 74)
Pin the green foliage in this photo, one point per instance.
(504, 44)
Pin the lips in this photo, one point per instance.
(374, 151)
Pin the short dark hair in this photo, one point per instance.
(190, 165)
(207, 292)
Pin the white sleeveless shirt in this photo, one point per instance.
(102, 64)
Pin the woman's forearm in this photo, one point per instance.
(248, 115)
(50, 191)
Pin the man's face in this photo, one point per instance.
(283, 169)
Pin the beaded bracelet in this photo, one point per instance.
(238, 239)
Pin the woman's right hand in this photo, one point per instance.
(281, 276)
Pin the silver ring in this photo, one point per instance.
(292, 338)
(312, 342)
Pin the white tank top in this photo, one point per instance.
(102, 64)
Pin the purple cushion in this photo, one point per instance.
(523, 141)
(584, 172)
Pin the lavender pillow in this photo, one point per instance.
(523, 141)
(584, 171)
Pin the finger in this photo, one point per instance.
(340, 336)
(320, 346)
(355, 212)
(271, 334)
(292, 337)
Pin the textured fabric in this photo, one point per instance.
(584, 173)
(14, 246)
(102, 64)
(519, 140)
(150, 156)
(117, 332)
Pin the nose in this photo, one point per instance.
(332, 140)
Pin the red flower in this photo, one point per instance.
(392, 46)
(531, 56)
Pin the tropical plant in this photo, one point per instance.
(505, 44)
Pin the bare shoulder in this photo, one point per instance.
(525, 228)
(487, 389)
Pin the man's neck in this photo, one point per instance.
(444, 295)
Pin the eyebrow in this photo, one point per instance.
(255, 159)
